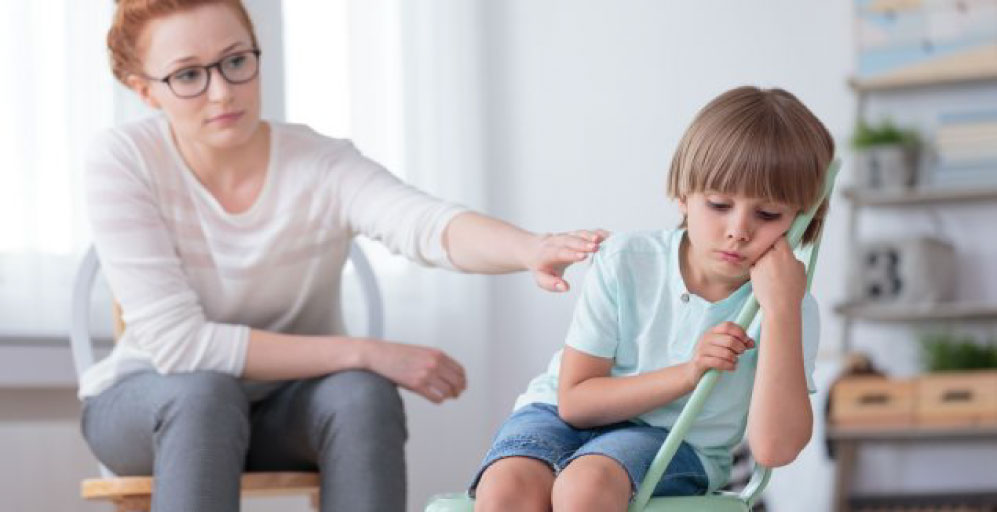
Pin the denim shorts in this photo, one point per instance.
(536, 431)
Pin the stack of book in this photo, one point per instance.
(966, 149)
(924, 40)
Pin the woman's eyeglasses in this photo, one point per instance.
(192, 81)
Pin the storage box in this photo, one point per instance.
(872, 402)
(957, 399)
(919, 270)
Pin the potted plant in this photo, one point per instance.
(944, 352)
(885, 156)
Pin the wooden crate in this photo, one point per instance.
(954, 399)
(872, 401)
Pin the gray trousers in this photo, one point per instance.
(197, 433)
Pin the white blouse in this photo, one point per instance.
(192, 279)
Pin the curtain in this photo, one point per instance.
(403, 80)
(56, 93)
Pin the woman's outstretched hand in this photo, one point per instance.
(423, 370)
(556, 252)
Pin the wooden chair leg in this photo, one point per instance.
(138, 503)
(314, 499)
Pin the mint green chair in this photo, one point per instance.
(720, 501)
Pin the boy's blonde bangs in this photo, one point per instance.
(757, 143)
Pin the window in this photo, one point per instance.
(55, 95)
(317, 66)
(342, 71)
(341, 64)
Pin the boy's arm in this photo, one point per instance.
(588, 397)
(780, 421)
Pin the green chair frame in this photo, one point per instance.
(719, 501)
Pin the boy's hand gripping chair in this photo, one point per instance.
(720, 501)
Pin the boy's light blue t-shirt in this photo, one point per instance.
(636, 309)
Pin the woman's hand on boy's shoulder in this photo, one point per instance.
(554, 253)
(778, 279)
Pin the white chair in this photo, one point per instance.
(134, 493)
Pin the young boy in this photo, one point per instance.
(653, 317)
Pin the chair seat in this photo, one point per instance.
(253, 484)
(460, 502)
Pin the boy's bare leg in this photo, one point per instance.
(515, 484)
(592, 482)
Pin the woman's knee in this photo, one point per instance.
(205, 398)
(360, 398)
(126, 424)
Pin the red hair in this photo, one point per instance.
(131, 17)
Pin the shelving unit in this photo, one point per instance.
(981, 66)
(918, 312)
(916, 197)
(960, 502)
(919, 197)
(912, 433)
(977, 69)
(846, 444)
(986, 71)
(847, 441)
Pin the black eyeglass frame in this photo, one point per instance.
(207, 70)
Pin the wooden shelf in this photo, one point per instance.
(978, 65)
(919, 501)
(891, 83)
(912, 433)
(917, 312)
(919, 196)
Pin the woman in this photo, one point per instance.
(222, 237)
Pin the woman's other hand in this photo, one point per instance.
(423, 370)
(555, 252)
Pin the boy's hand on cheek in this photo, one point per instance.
(778, 279)
(555, 253)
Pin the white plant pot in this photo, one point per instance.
(890, 167)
